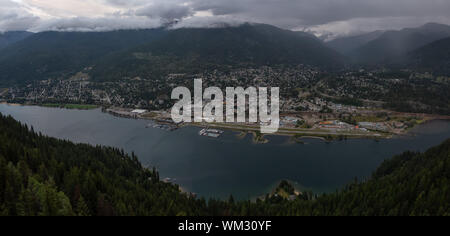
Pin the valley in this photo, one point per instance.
(246, 108)
(352, 104)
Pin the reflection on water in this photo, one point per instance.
(229, 165)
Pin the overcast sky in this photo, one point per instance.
(323, 17)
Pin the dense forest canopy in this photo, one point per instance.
(45, 176)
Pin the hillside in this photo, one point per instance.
(347, 45)
(391, 46)
(194, 50)
(153, 53)
(8, 38)
(54, 54)
(258, 44)
(434, 56)
(46, 176)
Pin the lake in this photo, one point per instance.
(229, 164)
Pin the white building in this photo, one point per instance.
(138, 111)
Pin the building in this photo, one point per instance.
(373, 126)
(138, 111)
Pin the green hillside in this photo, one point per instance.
(194, 50)
(8, 38)
(46, 176)
(155, 53)
(59, 54)
(346, 45)
(392, 46)
(434, 56)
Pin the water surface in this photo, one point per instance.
(229, 165)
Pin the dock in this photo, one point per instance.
(212, 133)
(166, 127)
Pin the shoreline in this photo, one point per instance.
(68, 106)
(243, 130)
(187, 191)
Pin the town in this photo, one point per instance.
(351, 103)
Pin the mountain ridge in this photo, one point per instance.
(121, 54)
(392, 46)
(434, 56)
(54, 54)
(11, 37)
(346, 45)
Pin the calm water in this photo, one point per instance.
(229, 165)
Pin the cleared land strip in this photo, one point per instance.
(283, 131)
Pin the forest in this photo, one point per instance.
(43, 176)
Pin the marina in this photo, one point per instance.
(211, 133)
(218, 167)
(166, 127)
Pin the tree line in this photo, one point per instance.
(42, 176)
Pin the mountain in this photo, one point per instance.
(54, 54)
(391, 46)
(152, 53)
(193, 50)
(8, 38)
(42, 176)
(249, 43)
(434, 56)
(346, 45)
(46, 176)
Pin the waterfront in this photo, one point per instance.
(229, 164)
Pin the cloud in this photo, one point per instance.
(166, 11)
(127, 3)
(356, 26)
(84, 24)
(210, 22)
(315, 12)
(336, 17)
(14, 17)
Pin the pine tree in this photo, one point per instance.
(82, 207)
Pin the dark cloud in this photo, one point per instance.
(290, 13)
(322, 16)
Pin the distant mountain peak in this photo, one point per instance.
(433, 25)
(346, 45)
(393, 46)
